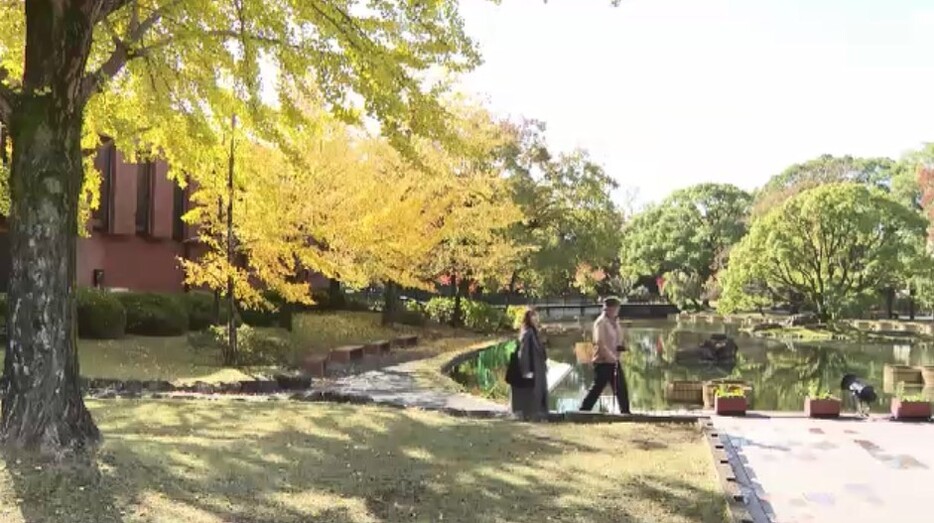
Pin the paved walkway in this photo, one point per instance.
(847, 471)
(398, 386)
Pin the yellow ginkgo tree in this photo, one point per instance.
(157, 75)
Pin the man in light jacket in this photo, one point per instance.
(607, 344)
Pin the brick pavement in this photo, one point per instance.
(848, 471)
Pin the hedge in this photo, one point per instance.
(100, 315)
(152, 314)
(200, 305)
(477, 315)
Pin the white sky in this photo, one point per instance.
(668, 93)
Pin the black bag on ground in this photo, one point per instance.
(514, 375)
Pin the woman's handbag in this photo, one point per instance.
(514, 376)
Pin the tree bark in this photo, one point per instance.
(336, 294)
(230, 356)
(390, 303)
(457, 315)
(43, 409)
(889, 302)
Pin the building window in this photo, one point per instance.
(178, 210)
(144, 182)
(107, 167)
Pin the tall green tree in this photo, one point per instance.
(687, 235)
(824, 169)
(834, 245)
(157, 74)
(908, 187)
(569, 217)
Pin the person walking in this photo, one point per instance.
(530, 394)
(607, 344)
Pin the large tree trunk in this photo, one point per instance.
(336, 298)
(390, 303)
(43, 409)
(889, 303)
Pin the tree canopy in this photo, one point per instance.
(824, 169)
(163, 77)
(569, 217)
(832, 244)
(688, 233)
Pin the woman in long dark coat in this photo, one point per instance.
(531, 402)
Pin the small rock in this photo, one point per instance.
(293, 381)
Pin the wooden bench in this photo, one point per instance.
(406, 341)
(346, 354)
(315, 365)
(376, 348)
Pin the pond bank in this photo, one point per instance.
(775, 326)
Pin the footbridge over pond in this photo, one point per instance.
(551, 312)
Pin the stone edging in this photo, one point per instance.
(737, 500)
(104, 388)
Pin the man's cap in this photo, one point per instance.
(611, 301)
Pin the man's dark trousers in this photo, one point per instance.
(603, 376)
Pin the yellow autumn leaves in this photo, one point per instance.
(333, 199)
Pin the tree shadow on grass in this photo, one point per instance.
(47, 493)
(288, 462)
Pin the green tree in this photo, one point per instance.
(158, 75)
(687, 235)
(832, 245)
(824, 169)
(569, 217)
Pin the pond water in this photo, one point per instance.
(781, 373)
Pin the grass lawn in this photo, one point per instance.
(142, 358)
(289, 462)
(175, 360)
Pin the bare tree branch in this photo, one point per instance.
(108, 7)
(123, 48)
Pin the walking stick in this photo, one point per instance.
(615, 386)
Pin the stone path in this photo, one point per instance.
(398, 386)
(848, 471)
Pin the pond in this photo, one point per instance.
(781, 372)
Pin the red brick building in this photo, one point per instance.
(136, 234)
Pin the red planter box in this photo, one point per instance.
(822, 408)
(725, 406)
(918, 410)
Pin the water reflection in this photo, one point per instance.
(781, 373)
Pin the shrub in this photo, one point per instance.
(151, 314)
(256, 346)
(280, 315)
(412, 318)
(101, 316)
(478, 315)
(481, 316)
(440, 310)
(200, 306)
(513, 316)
